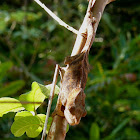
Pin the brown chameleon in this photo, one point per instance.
(71, 101)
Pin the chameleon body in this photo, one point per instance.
(71, 101)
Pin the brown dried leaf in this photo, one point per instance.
(75, 75)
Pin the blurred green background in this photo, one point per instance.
(31, 43)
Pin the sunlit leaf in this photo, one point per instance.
(29, 124)
(35, 95)
(42, 118)
(22, 114)
(6, 106)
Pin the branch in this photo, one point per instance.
(58, 128)
(62, 23)
(50, 101)
(97, 8)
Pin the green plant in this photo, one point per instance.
(26, 119)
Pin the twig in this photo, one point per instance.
(62, 23)
(50, 101)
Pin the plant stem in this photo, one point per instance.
(50, 101)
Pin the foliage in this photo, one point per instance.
(37, 94)
(31, 43)
(27, 121)
(28, 124)
(11, 107)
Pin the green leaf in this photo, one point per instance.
(42, 118)
(12, 88)
(47, 93)
(67, 129)
(29, 124)
(35, 95)
(94, 132)
(22, 114)
(6, 106)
